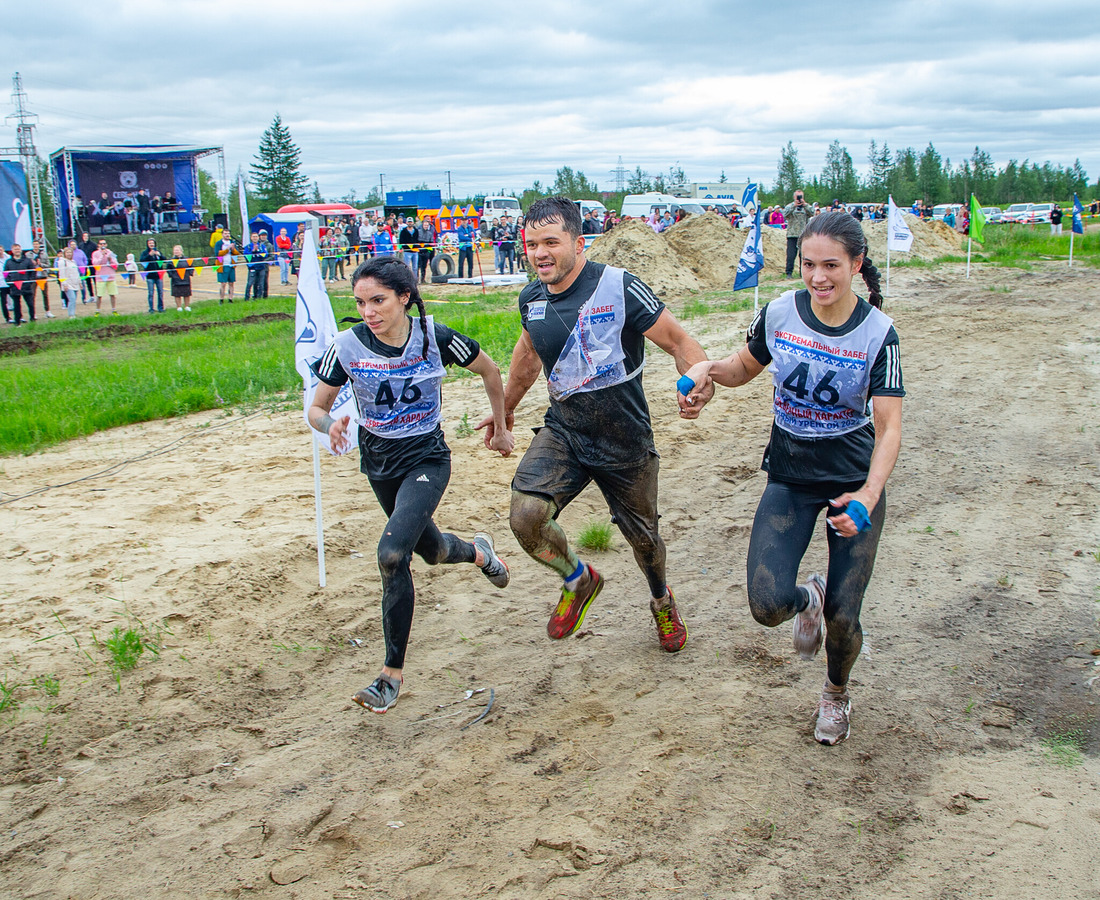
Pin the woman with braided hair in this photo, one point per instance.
(396, 368)
(834, 441)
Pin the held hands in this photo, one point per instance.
(693, 389)
(502, 442)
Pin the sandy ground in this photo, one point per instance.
(233, 764)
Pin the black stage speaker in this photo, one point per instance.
(220, 220)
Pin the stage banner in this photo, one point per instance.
(117, 178)
(15, 214)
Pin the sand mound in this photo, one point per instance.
(931, 239)
(639, 249)
(701, 253)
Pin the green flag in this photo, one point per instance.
(977, 220)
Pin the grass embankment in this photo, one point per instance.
(1021, 245)
(66, 379)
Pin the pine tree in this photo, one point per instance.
(839, 175)
(790, 174)
(930, 180)
(277, 175)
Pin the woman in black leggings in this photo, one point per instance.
(834, 442)
(396, 368)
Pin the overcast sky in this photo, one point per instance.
(504, 93)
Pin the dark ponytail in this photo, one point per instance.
(391, 272)
(843, 228)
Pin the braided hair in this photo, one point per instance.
(392, 273)
(843, 228)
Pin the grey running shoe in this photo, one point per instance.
(495, 569)
(809, 625)
(380, 696)
(833, 712)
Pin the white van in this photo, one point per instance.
(592, 206)
(639, 206)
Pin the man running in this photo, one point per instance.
(585, 324)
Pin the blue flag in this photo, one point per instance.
(1078, 209)
(752, 254)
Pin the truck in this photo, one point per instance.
(495, 207)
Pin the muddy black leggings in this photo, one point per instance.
(410, 501)
(781, 533)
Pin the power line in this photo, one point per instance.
(24, 132)
(620, 176)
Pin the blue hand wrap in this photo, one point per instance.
(684, 385)
(857, 512)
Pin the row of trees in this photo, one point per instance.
(908, 176)
(276, 178)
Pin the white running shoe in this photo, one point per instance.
(495, 569)
(809, 625)
(833, 717)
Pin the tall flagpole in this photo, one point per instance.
(887, 257)
(1072, 234)
(969, 241)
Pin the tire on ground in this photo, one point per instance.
(443, 264)
(441, 279)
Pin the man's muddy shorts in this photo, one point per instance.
(551, 469)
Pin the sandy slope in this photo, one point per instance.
(235, 764)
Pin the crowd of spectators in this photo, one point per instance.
(88, 270)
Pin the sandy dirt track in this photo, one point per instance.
(235, 765)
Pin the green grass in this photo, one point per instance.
(125, 647)
(595, 536)
(8, 702)
(724, 301)
(50, 685)
(77, 387)
(1022, 245)
(87, 375)
(1065, 746)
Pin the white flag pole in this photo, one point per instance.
(756, 297)
(969, 241)
(319, 510)
(1072, 234)
(887, 264)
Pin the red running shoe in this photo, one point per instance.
(671, 630)
(573, 605)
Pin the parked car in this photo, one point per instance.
(1038, 214)
(938, 212)
(992, 214)
(1013, 213)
